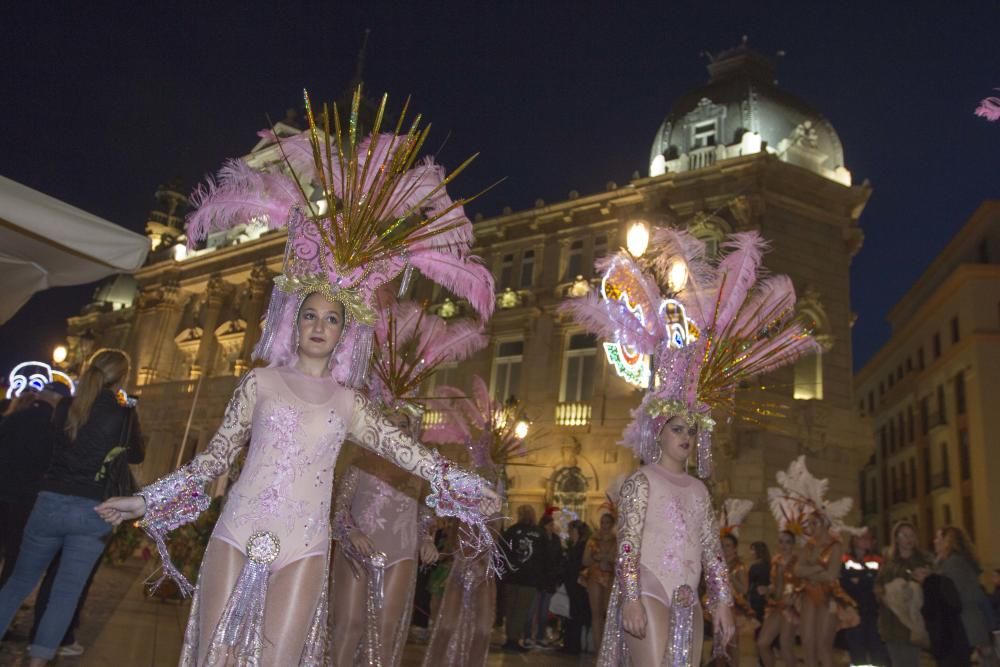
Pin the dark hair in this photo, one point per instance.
(761, 551)
(730, 536)
(546, 520)
(582, 528)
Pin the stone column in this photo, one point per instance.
(157, 313)
(215, 295)
(258, 288)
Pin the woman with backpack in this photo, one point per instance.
(89, 464)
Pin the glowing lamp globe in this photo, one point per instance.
(677, 277)
(637, 239)
(59, 354)
(521, 429)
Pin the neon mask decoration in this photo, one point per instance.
(21, 378)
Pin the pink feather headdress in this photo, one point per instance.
(410, 345)
(799, 495)
(379, 214)
(989, 108)
(725, 324)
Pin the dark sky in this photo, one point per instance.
(102, 102)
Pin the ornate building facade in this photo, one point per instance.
(926, 397)
(734, 154)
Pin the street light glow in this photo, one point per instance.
(677, 276)
(637, 239)
(59, 354)
(521, 429)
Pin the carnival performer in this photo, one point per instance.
(781, 615)
(379, 523)
(599, 558)
(717, 326)
(488, 429)
(824, 607)
(734, 512)
(261, 597)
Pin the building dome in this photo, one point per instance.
(119, 291)
(742, 111)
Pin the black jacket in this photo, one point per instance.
(76, 464)
(26, 441)
(524, 551)
(551, 563)
(942, 612)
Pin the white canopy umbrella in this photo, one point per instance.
(47, 243)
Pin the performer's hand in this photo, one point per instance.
(634, 618)
(722, 621)
(428, 552)
(490, 502)
(361, 543)
(121, 508)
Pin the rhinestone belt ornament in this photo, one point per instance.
(263, 547)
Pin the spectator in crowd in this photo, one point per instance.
(579, 605)
(955, 559)
(521, 580)
(942, 616)
(858, 572)
(26, 441)
(760, 578)
(63, 516)
(599, 558)
(550, 571)
(900, 625)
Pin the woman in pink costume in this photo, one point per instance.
(488, 429)
(824, 607)
(781, 616)
(261, 597)
(379, 521)
(599, 558)
(716, 326)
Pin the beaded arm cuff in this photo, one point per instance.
(178, 498)
(631, 518)
(712, 562)
(171, 502)
(426, 520)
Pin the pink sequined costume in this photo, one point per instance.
(298, 424)
(668, 537)
(385, 506)
(689, 331)
(274, 532)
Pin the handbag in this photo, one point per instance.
(559, 604)
(115, 471)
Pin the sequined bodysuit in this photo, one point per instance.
(387, 513)
(667, 536)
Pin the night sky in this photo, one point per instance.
(103, 102)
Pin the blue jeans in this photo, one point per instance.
(538, 616)
(57, 522)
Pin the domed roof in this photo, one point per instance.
(118, 290)
(741, 110)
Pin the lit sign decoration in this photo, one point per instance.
(35, 375)
(620, 283)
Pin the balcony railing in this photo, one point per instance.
(940, 480)
(573, 414)
(701, 157)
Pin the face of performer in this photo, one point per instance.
(729, 548)
(814, 526)
(786, 542)
(321, 324)
(607, 523)
(676, 441)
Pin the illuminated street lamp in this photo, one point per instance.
(677, 276)
(521, 429)
(637, 239)
(59, 354)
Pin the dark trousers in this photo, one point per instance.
(517, 606)
(13, 517)
(865, 645)
(579, 616)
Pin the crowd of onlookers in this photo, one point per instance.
(910, 600)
